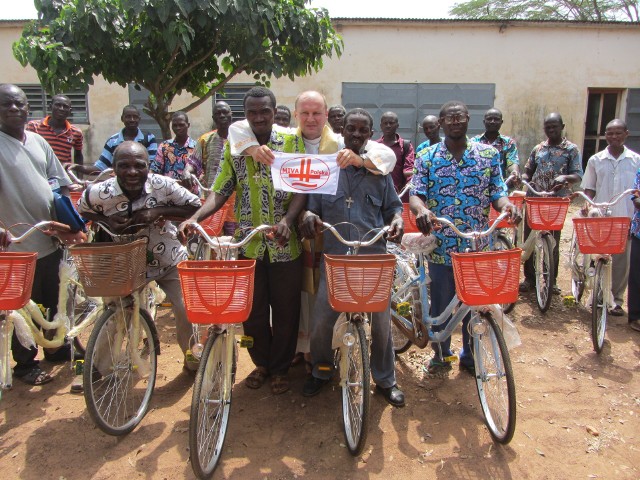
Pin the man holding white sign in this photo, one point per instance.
(311, 114)
(363, 201)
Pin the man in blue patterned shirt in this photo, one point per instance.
(457, 179)
(633, 292)
(431, 129)
(506, 146)
(552, 165)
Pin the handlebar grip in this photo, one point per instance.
(59, 227)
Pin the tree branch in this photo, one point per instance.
(172, 60)
(190, 67)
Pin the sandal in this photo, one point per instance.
(279, 384)
(256, 378)
(36, 376)
(298, 359)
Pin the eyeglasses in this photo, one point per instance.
(450, 119)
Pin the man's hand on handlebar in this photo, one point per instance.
(396, 229)
(311, 225)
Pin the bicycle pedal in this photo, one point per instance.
(451, 359)
(246, 342)
(569, 301)
(190, 357)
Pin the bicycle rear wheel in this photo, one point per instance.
(599, 307)
(578, 269)
(503, 243)
(545, 271)
(356, 389)
(210, 405)
(494, 377)
(120, 370)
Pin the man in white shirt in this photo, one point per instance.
(608, 173)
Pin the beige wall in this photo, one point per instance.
(537, 68)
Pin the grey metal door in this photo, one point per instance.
(147, 123)
(413, 101)
(633, 119)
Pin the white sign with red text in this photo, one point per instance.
(305, 173)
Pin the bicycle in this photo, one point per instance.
(481, 278)
(121, 355)
(596, 238)
(76, 311)
(544, 214)
(218, 294)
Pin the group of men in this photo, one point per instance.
(452, 176)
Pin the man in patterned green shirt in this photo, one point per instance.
(278, 276)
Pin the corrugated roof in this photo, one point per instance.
(466, 20)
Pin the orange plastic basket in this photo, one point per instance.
(484, 278)
(546, 213)
(409, 220)
(602, 235)
(16, 279)
(493, 213)
(213, 224)
(359, 283)
(217, 291)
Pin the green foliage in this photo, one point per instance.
(584, 10)
(171, 46)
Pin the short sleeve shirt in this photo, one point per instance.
(171, 159)
(164, 250)
(507, 148)
(62, 143)
(106, 157)
(549, 161)
(257, 201)
(207, 155)
(635, 222)
(459, 190)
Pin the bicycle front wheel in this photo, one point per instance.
(494, 378)
(356, 389)
(210, 405)
(545, 272)
(599, 307)
(120, 370)
(84, 311)
(578, 269)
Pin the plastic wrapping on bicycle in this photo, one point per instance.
(359, 283)
(16, 278)
(217, 291)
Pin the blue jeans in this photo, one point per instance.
(441, 291)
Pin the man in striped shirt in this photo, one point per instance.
(63, 137)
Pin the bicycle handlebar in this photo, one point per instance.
(601, 205)
(216, 242)
(533, 190)
(40, 226)
(473, 235)
(405, 189)
(356, 243)
(101, 176)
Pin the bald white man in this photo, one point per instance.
(311, 114)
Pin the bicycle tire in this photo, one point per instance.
(356, 393)
(599, 310)
(494, 378)
(116, 399)
(400, 341)
(207, 429)
(503, 243)
(578, 271)
(545, 272)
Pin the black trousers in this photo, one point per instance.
(273, 322)
(529, 270)
(633, 292)
(45, 291)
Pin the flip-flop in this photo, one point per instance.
(36, 376)
(279, 384)
(256, 378)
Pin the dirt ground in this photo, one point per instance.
(577, 418)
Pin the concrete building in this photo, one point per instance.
(589, 72)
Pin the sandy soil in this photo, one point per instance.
(577, 419)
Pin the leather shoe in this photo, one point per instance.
(526, 286)
(393, 395)
(312, 386)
